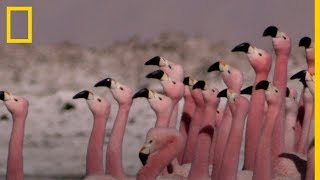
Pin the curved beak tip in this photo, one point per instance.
(199, 85)
(83, 94)
(143, 158)
(305, 42)
(222, 93)
(214, 67)
(155, 74)
(153, 61)
(270, 31)
(106, 82)
(262, 85)
(2, 95)
(243, 47)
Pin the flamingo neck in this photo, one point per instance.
(114, 150)
(194, 129)
(280, 81)
(263, 161)
(95, 147)
(15, 156)
(163, 118)
(230, 162)
(174, 114)
(254, 122)
(159, 160)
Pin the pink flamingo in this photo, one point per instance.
(233, 79)
(265, 168)
(306, 43)
(282, 46)
(200, 161)
(161, 146)
(123, 95)
(187, 113)
(18, 107)
(308, 121)
(195, 125)
(161, 105)
(239, 107)
(100, 108)
(261, 62)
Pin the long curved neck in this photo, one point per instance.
(194, 129)
(187, 113)
(163, 119)
(15, 159)
(221, 141)
(254, 122)
(174, 114)
(229, 166)
(200, 162)
(308, 112)
(94, 165)
(263, 161)
(157, 162)
(114, 151)
(280, 81)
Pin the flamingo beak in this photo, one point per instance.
(247, 90)
(271, 31)
(144, 154)
(263, 85)
(5, 96)
(158, 74)
(305, 42)
(153, 61)
(244, 47)
(214, 67)
(142, 93)
(299, 75)
(83, 94)
(106, 82)
(199, 85)
(223, 93)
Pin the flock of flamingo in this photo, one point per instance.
(279, 135)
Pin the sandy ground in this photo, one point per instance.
(48, 76)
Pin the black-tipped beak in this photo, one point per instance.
(153, 61)
(262, 85)
(247, 90)
(299, 75)
(287, 92)
(142, 93)
(199, 85)
(83, 94)
(244, 47)
(186, 81)
(270, 31)
(106, 82)
(156, 74)
(2, 95)
(222, 93)
(305, 42)
(143, 158)
(214, 67)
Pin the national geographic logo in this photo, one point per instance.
(28, 10)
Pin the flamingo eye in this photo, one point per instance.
(260, 54)
(170, 66)
(121, 88)
(276, 90)
(218, 112)
(99, 99)
(213, 90)
(284, 37)
(173, 82)
(229, 72)
(150, 141)
(16, 99)
(160, 98)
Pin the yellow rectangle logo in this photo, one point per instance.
(28, 9)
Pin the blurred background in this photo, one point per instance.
(76, 43)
